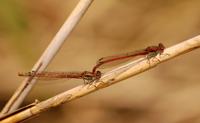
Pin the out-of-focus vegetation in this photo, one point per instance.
(167, 94)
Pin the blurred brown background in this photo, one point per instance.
(168, 93)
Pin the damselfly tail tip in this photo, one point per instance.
(24, 74)
(20, 74)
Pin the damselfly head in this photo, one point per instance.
(161, 46)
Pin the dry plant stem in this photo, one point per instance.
(48, 55)
(107, 80)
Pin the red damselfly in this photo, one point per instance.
(85, 75)
(150, 51)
